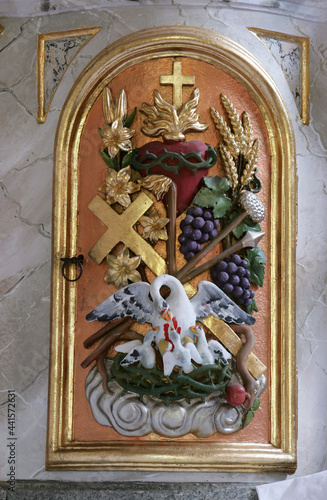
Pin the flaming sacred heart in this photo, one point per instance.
(186, 163)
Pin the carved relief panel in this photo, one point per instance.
(175, 197)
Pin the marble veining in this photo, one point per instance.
(58, 55)
(288, 55)
(308, 9)
(25, 206)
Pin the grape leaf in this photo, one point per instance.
(206, 198)
(217, 184)
(213, 196)
(252, 307)
(246, 225)
(248, 418)
(257, 260)
(221, 206)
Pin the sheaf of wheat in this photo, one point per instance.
(237, 141)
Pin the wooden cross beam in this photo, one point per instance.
(177, 80)
(120, 229)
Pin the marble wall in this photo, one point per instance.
(25, 206)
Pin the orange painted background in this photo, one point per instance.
(139, 81)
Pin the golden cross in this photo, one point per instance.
(177, 80)
(121, 229)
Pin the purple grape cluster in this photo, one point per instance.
(232, 276)
(198, 227)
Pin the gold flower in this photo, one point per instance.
(116, 137)
(119, 187)
(122, 268)
(114, 108)
(154, 227)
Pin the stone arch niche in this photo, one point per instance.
(76, 438)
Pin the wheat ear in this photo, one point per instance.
(225, 132)
(230, 166)
(233, 118)
(250, 168)
(248, 131)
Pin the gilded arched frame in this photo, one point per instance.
(279, 454)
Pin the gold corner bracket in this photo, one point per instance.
(43, 107)
(304, 42)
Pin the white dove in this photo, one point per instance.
(139, 351)
(209, 351)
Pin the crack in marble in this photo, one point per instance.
(4, 376)
(109, 28)
(37, 473)
(35, 380)
(6, 347)
(306, 138)
(12, 93)
(78, 67)
(28, 165)
(20, 395)
(320, 68)
(321, 368)
(269, 9)
(285, 8)
(30, 71)
(324, 184)
(117, 17)
(304, 369)
(181, 11)
(215, 17)
(40, 226)
(17, 394)
(324, 62)
(13, 288)
(308, 318)
(16, 37)
(300, 155)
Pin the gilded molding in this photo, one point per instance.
(279, 455)
(304, 42)
(42, 39)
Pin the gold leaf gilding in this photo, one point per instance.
(164, 119)
(114, 109)
(157, 184)
(119, 187)
(116, 137)
(122, 268)
(154, 227)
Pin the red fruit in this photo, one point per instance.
(235, 394)
(188, 183)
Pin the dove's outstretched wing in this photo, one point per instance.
(212, 300)
(132, 300)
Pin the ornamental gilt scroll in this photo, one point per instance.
(175, 221)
